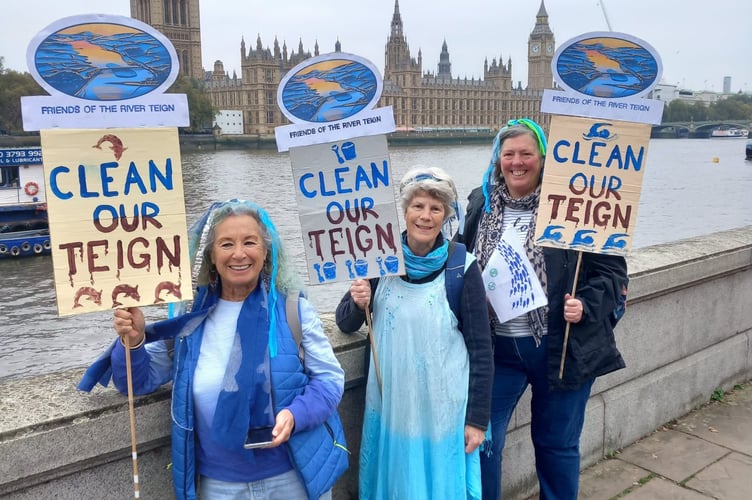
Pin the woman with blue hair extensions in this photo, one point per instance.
(527, 349)
(248, 415)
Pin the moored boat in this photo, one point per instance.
(24, 229)
(729, 132)
(749, 149)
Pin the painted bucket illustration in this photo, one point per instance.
(392, 264)
(361, 267)
(348, 150)
(330, 270)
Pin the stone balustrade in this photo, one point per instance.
(686, 333)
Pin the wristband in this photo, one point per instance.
(133, 347)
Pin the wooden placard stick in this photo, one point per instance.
(373, 346)
(132, 414)
(566, 328)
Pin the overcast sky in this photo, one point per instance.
(699, 41)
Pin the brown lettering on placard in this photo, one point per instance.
(163, 250)
(70, 249)
(385, 235)
(556, 199)
(145, 258)
(622, 216)
(92, 255)
(335, 241)
(315, 236)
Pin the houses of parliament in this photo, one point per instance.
(419, 99)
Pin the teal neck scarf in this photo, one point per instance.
(421, 266)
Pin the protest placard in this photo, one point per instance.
(347, 212)
(117, 218)
(591, 184)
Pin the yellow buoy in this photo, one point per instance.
(716, 159)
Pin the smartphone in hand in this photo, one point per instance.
(259, 437)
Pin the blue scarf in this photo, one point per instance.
(419, 267)
(245, 400)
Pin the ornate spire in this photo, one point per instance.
(542, 11)
(445, 67)
(541, 21)
(396, 20)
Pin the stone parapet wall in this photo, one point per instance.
(686, 333)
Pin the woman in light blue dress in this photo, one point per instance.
(427, 415)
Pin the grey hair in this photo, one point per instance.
(433, 181)
(287, 279)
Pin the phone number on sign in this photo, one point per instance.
(25, 156)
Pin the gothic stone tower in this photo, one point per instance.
(399, 68)
(540, 53)
(178, 20)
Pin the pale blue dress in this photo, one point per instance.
(413, 438)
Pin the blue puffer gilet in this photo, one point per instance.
(318, 454)
(317, 459)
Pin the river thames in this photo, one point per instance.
(691, 187)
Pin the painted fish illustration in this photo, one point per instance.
(127, 290)
(116, 144)
(582, 238)
(87, 291)
(616, 241)
(552, 234)
(598, 131)
(172, 289)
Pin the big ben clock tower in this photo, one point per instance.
(540, 53)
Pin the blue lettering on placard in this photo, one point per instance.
(563, 151)
(158, 178)
(53, 182)
(341, 180)
(106, 179)
(83, 188)
(155, 174)
(342, 183)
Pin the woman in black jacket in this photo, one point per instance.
(528, 348)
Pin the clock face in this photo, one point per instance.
(550, 48)
(536, 48)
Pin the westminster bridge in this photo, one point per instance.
(695, 129)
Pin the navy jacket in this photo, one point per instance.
(591, 349)
(475, 330)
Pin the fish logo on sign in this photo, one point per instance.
(600, 132)
(102, 58)
(325, 89)
(607, 65)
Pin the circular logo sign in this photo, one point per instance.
(329, 87)
(607, 65)
(102, 58)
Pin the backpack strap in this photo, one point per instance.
(293, 321)
(454, 276)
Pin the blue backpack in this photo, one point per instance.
(454, 275)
